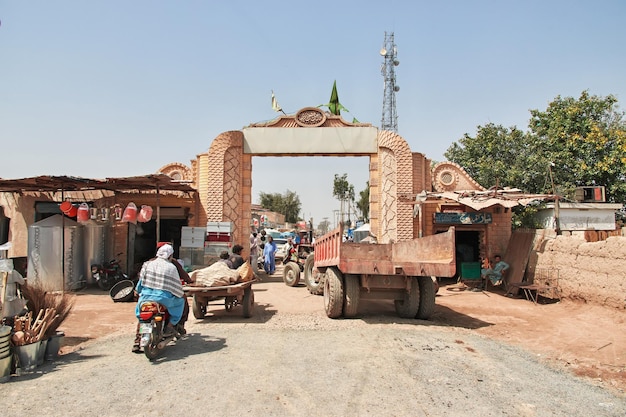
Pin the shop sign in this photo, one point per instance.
(462, 218)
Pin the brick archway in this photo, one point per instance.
(224, 173)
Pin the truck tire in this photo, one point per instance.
(291, 274)
(333, 293)
(352, 295)
(407, 307)
(313, 278)
(427, 298)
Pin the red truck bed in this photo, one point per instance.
(427, 256)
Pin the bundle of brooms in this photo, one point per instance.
(52, 309)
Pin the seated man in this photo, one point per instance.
(494, 274)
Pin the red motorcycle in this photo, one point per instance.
(153, 319)
(108, 274)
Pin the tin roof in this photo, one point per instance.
(67, 183)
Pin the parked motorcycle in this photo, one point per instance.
(153, 319)
(108, 274)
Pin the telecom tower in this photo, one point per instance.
(388, 70)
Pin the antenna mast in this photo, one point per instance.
(389, 52)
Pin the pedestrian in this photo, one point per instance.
(269, 256)
(254, 251)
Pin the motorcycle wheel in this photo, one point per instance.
(152, 348)
(105, 282)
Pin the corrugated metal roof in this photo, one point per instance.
(479, 200)
(67, 183)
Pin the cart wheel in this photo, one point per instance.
(198, 307)
(427, 298)
(230, 303)
(351, 302)
(291, 274)
(333, 293)
(313, 278)
(408, 306)
(248, 302)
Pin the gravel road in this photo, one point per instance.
(306, 365)
(289, 359)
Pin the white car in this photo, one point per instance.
(281, 248)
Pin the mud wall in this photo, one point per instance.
(593, 272)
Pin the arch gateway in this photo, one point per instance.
(223, 175)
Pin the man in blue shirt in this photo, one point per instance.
(495, 274)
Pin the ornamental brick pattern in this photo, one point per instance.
(396, 178)
(223, 177)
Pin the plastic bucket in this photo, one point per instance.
(82, 213)
(72, 212)
(130, 213)
(27, 355)
(65, 206)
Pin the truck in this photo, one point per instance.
(346, 272)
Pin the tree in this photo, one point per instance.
(344, 192)
(287, 204)
(497, 155)
(584, 138)
(363, 204)
(324, 226)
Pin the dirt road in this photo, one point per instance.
(482, 354)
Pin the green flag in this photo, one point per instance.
(334, 105)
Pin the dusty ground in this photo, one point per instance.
(585, 340)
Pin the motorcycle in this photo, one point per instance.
(108, 274)
(153, 319)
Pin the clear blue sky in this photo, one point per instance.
(120, 88)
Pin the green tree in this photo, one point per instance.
(363, 204)
(582, 140)
(497, 155)
(585, 139)
(287, 204)
(344, 192)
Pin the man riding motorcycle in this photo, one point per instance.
(159, 281)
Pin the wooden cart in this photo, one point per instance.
(233, 295)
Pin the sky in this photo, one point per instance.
(121, 88)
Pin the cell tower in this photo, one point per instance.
(388, 70)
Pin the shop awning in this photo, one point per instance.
(67, 183)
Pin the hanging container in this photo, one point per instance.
(130, 213)
(104, 214)
(145, 214)
(65, 206)
(93, 213)
(82, 213)
(117, 210)
(68, 209)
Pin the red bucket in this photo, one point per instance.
(82, 213)
(65, 206)
(72, 212)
